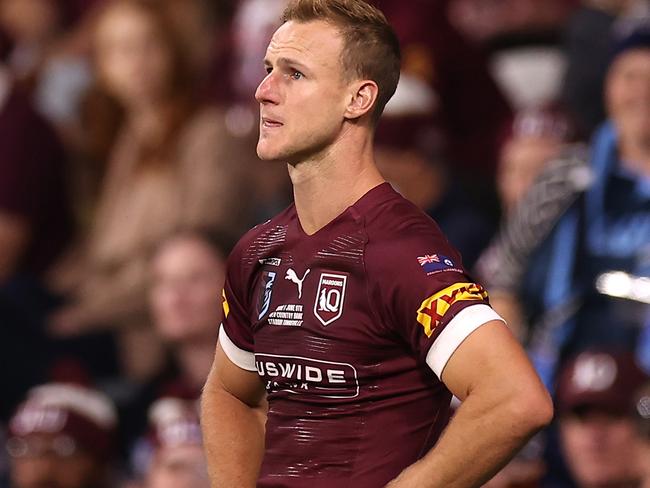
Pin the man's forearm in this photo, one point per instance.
(233, 437)
(478, 442)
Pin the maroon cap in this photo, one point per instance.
(548, 121)
(599, 379)
(175, 422)
(86, 415)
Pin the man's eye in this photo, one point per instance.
(296, 75)
(268, 69)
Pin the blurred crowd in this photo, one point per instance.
(128, 171)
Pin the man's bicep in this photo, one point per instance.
(241, 383)
(489, 357)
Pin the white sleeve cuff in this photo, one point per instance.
(461, 326)
(242, 358)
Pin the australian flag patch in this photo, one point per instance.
(434, 263)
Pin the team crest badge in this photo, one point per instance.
(330, 297)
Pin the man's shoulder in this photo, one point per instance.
(400, 235)
(396, 220)
(262, 236)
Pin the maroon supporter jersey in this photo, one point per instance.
(349, 329)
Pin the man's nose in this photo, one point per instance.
(267, 90)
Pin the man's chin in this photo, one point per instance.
(287, 154)
(266, 154)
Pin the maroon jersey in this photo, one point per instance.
(349, 329)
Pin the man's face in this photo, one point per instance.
(600, 448)
(522, 159)
(41, 466)
(304, 95)
(179, 467)
(185, 297)
(628, 95)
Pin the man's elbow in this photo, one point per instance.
(543, 411)
(532, 410)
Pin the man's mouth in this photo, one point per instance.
(269, 123)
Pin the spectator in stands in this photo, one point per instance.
(185, 296)
(587, 40)
(49, 56)
(186, 282)
(595, 407)
(173, 165)
(35, 222)
(35, 227)
(33, 25)
(588, 213)
(537, 136)
(178, 459)
(62, 436)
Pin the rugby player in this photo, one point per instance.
(349, 312)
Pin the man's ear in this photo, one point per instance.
(362, 100)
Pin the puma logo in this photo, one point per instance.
(293, 277)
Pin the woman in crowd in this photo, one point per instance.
(187, 277)
(173, 164)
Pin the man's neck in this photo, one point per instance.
(328, 184)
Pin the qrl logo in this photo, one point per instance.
(330, 297)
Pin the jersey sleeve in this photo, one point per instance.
(427, 297)
(235, 333)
